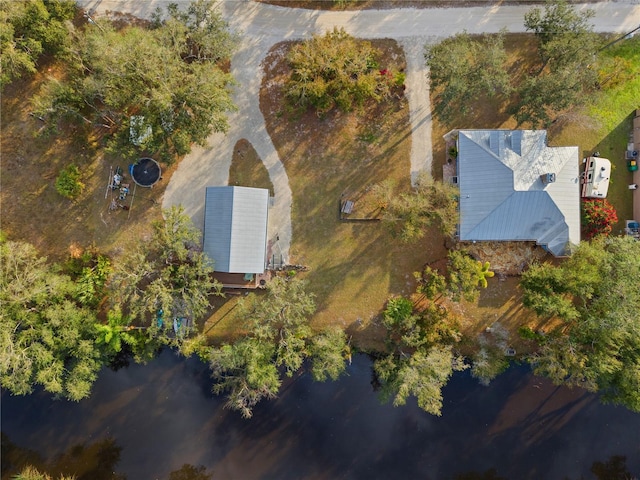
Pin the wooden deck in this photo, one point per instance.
(237, 281)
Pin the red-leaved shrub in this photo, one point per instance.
(598, 217)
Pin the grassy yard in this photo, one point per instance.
(605, 123)
(353, 266)
(247, 169)
(32, 209)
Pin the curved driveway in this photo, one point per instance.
(262, 25)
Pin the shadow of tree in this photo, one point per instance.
(86, 461)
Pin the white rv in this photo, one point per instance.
(595, 178)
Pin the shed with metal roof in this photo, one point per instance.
(235, 228)
(513, 187)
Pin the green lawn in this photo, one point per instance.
(606, 122)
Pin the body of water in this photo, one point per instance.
(147, 421)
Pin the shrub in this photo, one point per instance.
(527, 333)
(399, 79)
(334, 70)
(68, 183)
(397, 311)
(598, 217)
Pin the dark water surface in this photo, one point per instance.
(144, 422)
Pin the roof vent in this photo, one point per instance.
(547, 178)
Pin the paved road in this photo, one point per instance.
(264, 25)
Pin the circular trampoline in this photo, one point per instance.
(145, 172)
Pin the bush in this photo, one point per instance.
(334, 71)
(68, 183)
(527, 333)
(598, 217)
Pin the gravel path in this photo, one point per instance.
(261, 26)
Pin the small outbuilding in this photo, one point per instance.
(235, 229)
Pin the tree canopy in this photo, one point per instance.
(46, 337)
(156, 89)
(568, 68)
(463, 68)
(595, 296)
(31, 473)
(29, 30)
(334, 70)
(167, 277)
(279, 340)
(50, 333)
(466, 275)
(408, 215)
(422, 359)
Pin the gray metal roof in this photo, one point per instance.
(235, 228)
(502, 196)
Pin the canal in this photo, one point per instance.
(160, 421)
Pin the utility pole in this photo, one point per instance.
(626, 35)
(93, 22)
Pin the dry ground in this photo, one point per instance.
(33, 211)
(354, 267)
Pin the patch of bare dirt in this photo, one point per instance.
(32, 209)
(507, 258)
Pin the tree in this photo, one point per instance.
(114, 333)
(568, 68)
(247, 372)
(595, 297)
(562, 32)
(279, 339)
(46, 338)
(423, 374)
(334, 70)
(410, 328)
(463, 68)
(466, 275)
(328, 350)
(200, 34)
(430, 283)
(191, 472)
(490, 360)
(29, 30)
(421, 359)
(598, 217)
(157, 90)
(68, 183)
(282, 318)
(32, 473)
(408, 215)
(166, 277)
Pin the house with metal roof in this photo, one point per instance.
(513, 187)
(235, 229)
